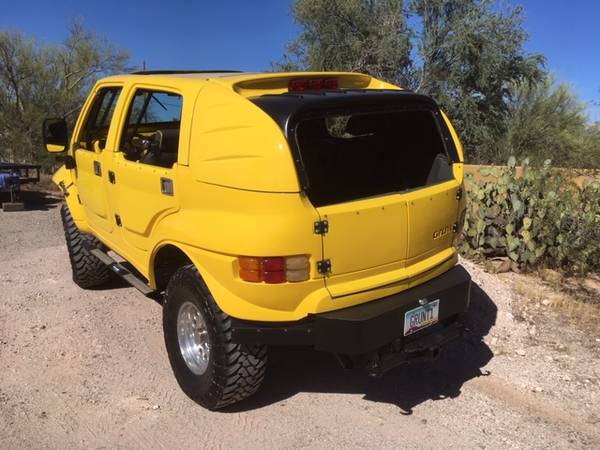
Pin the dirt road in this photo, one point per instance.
(89, 369)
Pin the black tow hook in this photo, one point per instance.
(381, 362)
(374, 368)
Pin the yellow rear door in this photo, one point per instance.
(365, 233)
(143, 187)
(91, 158)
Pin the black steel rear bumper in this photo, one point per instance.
(368, 327)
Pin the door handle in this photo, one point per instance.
(166, 186)
(97, 168)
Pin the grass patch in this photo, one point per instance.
(574, 302)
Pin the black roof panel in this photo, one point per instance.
(288, 108)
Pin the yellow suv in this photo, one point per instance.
(314, 209)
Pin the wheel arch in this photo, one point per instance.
(64, 180)
(166, 259)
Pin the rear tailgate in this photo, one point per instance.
(365, 233)
(383, 240)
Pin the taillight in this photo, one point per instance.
(275, 269)
(312, 84)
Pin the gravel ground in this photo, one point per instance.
(89, 369)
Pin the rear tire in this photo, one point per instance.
(222, 372)
(88, 271)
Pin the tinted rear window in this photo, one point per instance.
(357, 155)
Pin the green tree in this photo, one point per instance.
(351, 35)
(37, 81)
(465, 53)
(547, 121)
(470, 55)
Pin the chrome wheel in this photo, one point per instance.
(193, 338)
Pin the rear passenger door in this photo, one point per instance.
(142, 183)
(91, 154)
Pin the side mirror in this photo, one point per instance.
(55, 135)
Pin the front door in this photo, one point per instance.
(142, 188)
(90, 159)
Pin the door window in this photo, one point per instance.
(151, 134)
(94, 132)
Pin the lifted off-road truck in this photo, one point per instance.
(316, 209)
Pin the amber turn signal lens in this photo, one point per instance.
(254, 276)
(249, 263)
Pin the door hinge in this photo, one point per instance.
(459, 193)
(455, 227)
(321, 227)
(118, 220)
(324, 266)
(63, 188)
(69, 162)
(111, 177)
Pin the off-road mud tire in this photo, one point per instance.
(88, 271)
(234, 371)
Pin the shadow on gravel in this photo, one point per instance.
(36, 200)
(293, 370)
(115, 282)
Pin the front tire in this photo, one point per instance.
(211, 369)
(88, 271)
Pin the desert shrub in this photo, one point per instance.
(540, 218)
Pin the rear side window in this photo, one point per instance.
(356, 155)
(151, 133)
(94, 132)
(151, 107)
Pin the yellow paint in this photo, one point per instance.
(236, 192)
(54, 148)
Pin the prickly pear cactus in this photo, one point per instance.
(539, 218)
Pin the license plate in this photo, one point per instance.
(421, 317)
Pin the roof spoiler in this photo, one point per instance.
(278, 83)
(175, 72)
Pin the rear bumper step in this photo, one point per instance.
(370, 326)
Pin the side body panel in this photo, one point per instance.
(234, 143)
(217, 224)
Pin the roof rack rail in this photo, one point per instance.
(171, 72)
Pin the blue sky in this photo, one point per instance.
(248, 35)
